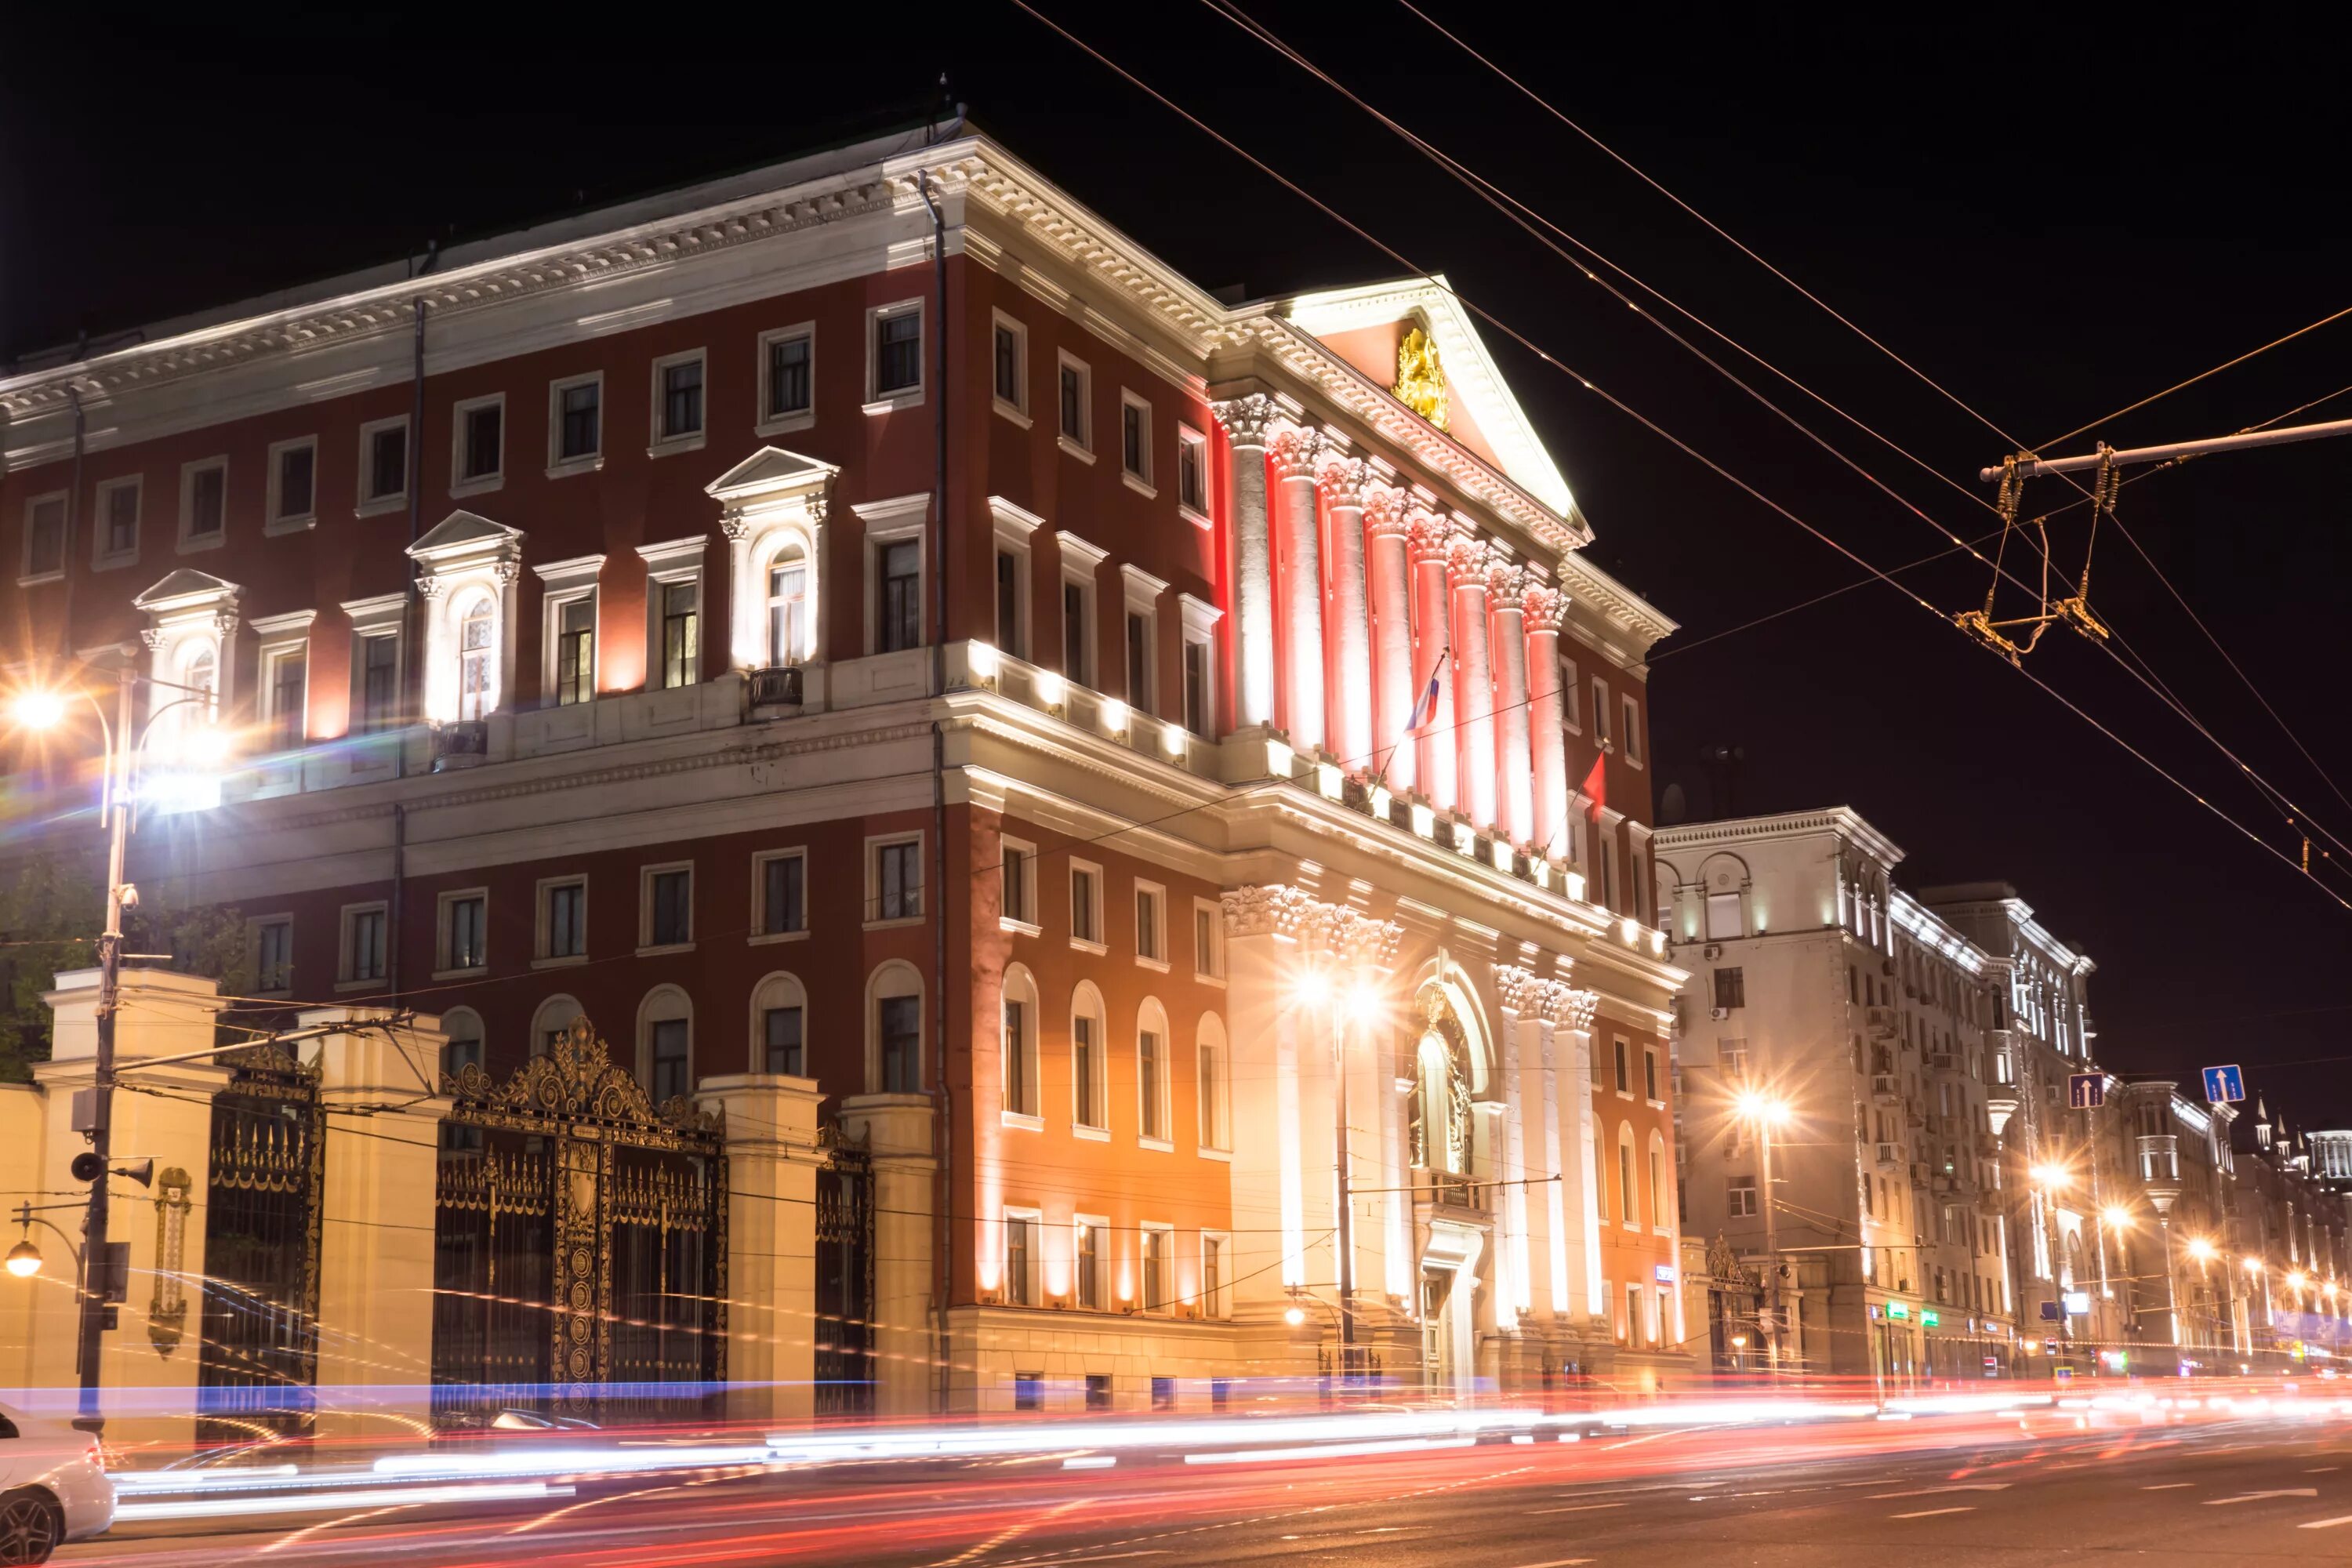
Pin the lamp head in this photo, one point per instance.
(2050, 1175)
(37, 709)
(1294, 1316)
(2117, 1216)
(24, 1259)
(1755, 1105)
(2200, 1249)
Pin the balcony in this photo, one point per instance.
(1442, 1191)
(1990, 1203)
(1886, 1088)
(1946, 1061)
(1890, 1157)
(1879, 1020)
(2159, 1160)
(779, 688)
(464, 744)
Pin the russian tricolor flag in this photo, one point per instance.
(1424, 710)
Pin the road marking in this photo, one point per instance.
(1580, 1508)
(1931, 1512)
(2324, 1470)
(1558, 1563)
(2169, 1487)
(2326, 1524)
(1115, 1556)
(1932, 1491)
(2256, 1497)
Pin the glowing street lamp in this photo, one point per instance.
(24, 1259)
(2114, 1216)
(1766, 1112)
(2051, 1176)
(2201, 1249)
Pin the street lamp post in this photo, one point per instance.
(1766, 1113)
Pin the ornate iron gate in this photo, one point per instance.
(579, 1245)
(258, 1366)
(845, 1284)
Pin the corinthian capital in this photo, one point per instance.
(1465, 562)
(1543, 606)
(1578, 1010)
(1430, 537)
(1248, 419)
(1518, 990)
(1503, 584)
(1344, 479)
(1293, 450)
(1387, 511)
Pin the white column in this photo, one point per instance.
(1507, 646)
(1246, 420)
(1393, 690)
(747, 627)
(1474, 687)
(1430, 539)
(1547, 736)
(1556, 1190)
(1514, 1282)
(1350, 649)
(1292, 463)
(1587, 1155)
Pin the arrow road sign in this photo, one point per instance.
(2086, 1091)
(2225, 1085)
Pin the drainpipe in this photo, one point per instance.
(944, 1270)
(408, 639)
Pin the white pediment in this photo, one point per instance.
(769, 472)
(185, 589)
(465, 533)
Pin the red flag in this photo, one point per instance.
(1596, 785)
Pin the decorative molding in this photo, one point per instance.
(1388, 512)
(1344, 479)
(1292, 452)
(1577, 1007)
(1466, 561)
(1503, 587)
(1543, 607)
(1292, 914)
(1248, 421)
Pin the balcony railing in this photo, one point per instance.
(460, 745)
(1445, 1189)
(783, 686)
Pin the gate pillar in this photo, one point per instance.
(896, 1129)
(772, 1158)
(377, 1088)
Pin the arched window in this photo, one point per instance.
(666, 1044)
(779, 1027)
(547, 1025)
(894, 1022)
(476, 666)
(1021, 1094)
(462, 1026)
(1090, 1059)
(1211, 1058)
(1153, 1113)
(197, 667)
(1658, 1182)
(1441, 1132)
(787, 605)
(1629, 1206)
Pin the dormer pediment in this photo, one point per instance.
(462, 534)
(770, 474)
(187, 589)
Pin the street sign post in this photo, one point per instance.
(2225, 1085)
(2086, 1091)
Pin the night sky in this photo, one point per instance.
(2051, 224)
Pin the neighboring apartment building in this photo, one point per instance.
(1819, 987)
(867, 621)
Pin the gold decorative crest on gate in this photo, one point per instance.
(576, 1079)
(1421, 380)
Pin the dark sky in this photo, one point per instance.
(2052, 222)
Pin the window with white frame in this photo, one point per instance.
(1018, 905)
(284, 693)
(1089, 1066)
(478, 654)
(1134, 440)
(1601, 712)
(787, 380)
(1739, 1193)
(1151, 925)
(1156, 1269)
(575, 423)
(665, 906)
(462, 923)
(1022, 1093)
(116, 537)
(204, 503)
(1015, 526)
(362, 945)
(894, 372)
(1629, 1204)
(1021, 1227)
(1008, 368)
(45, 537)
(1087, 906)
(383, 465)
(780, 893)
(1570, 698)
(895, 1016)
(779, 1018)
(550, 1023)
(1090, 1263)
(477, 455)
(673, 612)
(787, 605)
(1192, 473)
(898, 595)
(375, 664)
(1152, 1092)
(1213, 1067)
(1629, 730)
(666, 1044)
(1074, 393)
(1214, 1250)
(1142, 592)
(1200, 668)
(894, 879)
(1207, 939)
(273, 956)
(563, 919)
(1080, 564)
(677, 402)
(293, 483)
(569, 605)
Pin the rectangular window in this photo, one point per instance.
(898, 1025)
(1019, 900)
(1207, 941)
(790, 387)
(787, 610)
(1097, 1390)
(288, 676)
(1150, 924)
(1741, 1197)
(1019, 1082)
(898, 595)
(207, 501)
(579, 420)
(1152, 1085)
(575, 651)
(670, 916)
(678, 412)
(1008, 603)
(1601, 712)
(1159, 1278)
(1604, 873)
(1649, 1090)
(1624, 1070)
(898, 880)
(1631, 731)
(1570, 698)
(1135, 438)
(681, 624)
(672, 1071)
(1086, 904)
(1724, 921)
(1196, 689)
(1028, 1390)
(1076, 664)
(1192, 470)
(296, 481)
(364, 944)
(1139, 661)
(379, 683)
(1086, 1071)
(1731, 988)
(273, 956)
(481, 445)
(120, 517)
(898, 352)
(1629, 1208)
(1087, 1274)
(567, 920)
(384, 463)
(1731, 1058)
(1216, 1113)
(1213, 1276)
(1163, 1393)
(1072, 385)
(465, 935)
(780, 1039)
(784, 895)
(1006, 355)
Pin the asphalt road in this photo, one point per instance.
(1882, 1495)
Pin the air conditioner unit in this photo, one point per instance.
(1712, 950)
(1718, 1014)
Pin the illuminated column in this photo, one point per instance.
(1546, 729)
(1559, 1239)
(1397, 1066)
(1474, 687)
(1292, 465)
(1262, 927)
(1349, 664)
(1586, 1156)
(1246, 420)
(1429, 539)
(775, 1152)
(1393, 691)
(1507, 648)
(896, 1129)
(1517, 993)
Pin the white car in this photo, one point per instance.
(53, 1487)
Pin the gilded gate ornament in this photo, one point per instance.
(167, 1309)
(1421, 380)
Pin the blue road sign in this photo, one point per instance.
(2086, 1091)
(2225, 1085)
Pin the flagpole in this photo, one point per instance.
(1428, 698)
